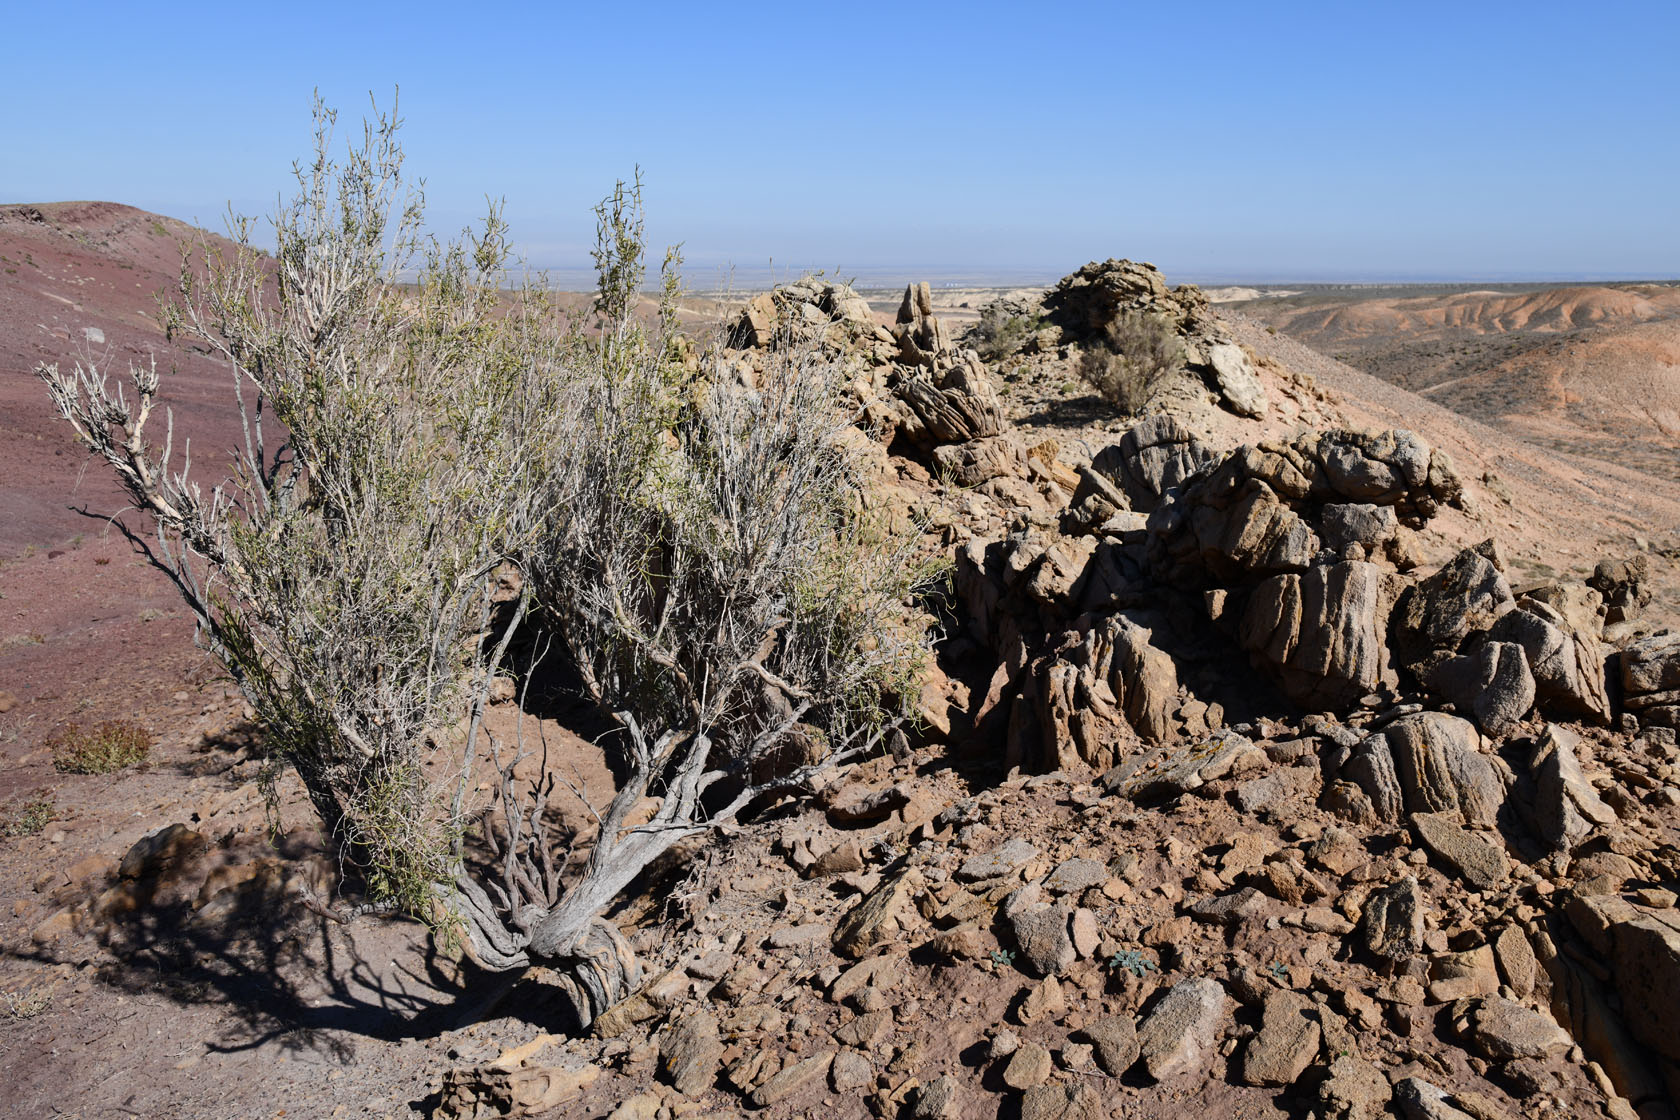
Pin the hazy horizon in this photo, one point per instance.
(1319, 144)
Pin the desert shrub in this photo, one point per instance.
(27, 816)
(1003, 329)
(1131, 359)
(103, 749)
(434, 464)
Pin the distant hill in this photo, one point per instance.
(1593, 369)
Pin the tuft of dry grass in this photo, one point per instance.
(108, 747)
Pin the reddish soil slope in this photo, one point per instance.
(89, 631)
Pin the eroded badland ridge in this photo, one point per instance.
(1302, 745)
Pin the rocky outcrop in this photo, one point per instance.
(1080, 308)
(910, 381)
(981, 460)
(951, 402)
(1258, 512)
(1154, 456)
(839, 317)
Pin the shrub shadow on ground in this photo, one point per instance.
(285, 976)
(1071, 412)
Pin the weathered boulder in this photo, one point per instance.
(1354, 1090)
(1286, 1043)
(834, 312)
(953, 403)
(1388, 468)
(1506, 1030)
(1141, 677)
(1566, 807)
(1428, 762)
(880, 916)
(691, 1053)
(1178, 1037)
(1650, 670)
(1116, 1043)
(1393, 921)
(919, 332)
(1154, 456)
(981, 460)
(792, 1079)
(1086, 301)
(1041, 933)
(1006, 859)
(940, 1099)
(1062, 1102)
(1641, 948)
(1647, 971)
(1207, 533)
(1253, 514)
(1358, 530)
(1492, 683)
(1234, 377)
(1322, 633)
(1622, 584)
(1478, 862)
(1419, 1100)
(1434, 617)
(1565, 658)
(1176, 768)
(159, 852)
(512, 1088)
(1464, 974)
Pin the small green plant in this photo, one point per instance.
(110, 746)
(1279, 971)
(25, 1005)
(1003, 957)
(27, 816)
(1133, 961)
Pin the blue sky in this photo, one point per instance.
(1221, 141)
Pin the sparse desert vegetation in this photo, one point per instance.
(1072, 699)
